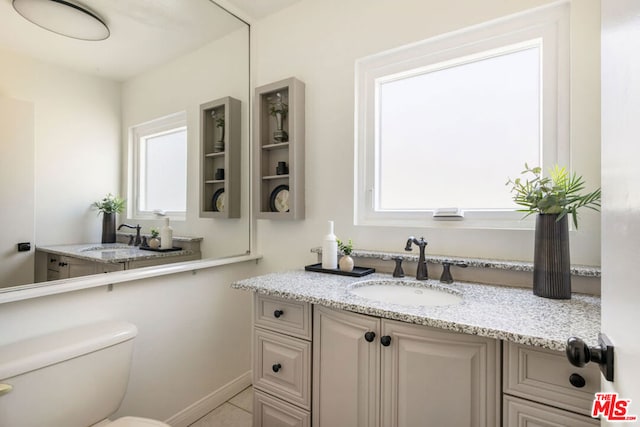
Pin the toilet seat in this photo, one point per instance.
(136, 422)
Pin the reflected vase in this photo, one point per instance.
(280, 135)
(551, 263)
(108, 227)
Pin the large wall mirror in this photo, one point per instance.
(67, 107)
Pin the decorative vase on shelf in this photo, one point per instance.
(108, 227)
(551, 263)
(346, 263)
(154, 243)
(279, 110)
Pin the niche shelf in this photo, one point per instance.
(220, 149)
(274, 144)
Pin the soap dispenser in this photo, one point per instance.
(166, 235)
(330, 250)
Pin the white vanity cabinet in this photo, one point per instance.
(281, 362)
(541, 388)
(405, 375)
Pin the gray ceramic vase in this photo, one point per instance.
(551, 263)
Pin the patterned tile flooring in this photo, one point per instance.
(236, 412)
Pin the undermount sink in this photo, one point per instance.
(412, 294)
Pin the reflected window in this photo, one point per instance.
(160, 167)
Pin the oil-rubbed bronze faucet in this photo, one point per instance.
(137, 228)
(421, 272)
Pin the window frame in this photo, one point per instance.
(550, 24)
(138, 133)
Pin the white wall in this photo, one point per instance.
(77, 144)
(209, 73)
(194, 332)
(319, 42)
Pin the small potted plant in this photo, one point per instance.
(346, 262)
(154, 242)
(109, 206)
(553, 198)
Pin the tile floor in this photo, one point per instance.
(236, 412)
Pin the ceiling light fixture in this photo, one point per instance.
(62, 17)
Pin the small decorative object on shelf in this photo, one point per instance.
(346, 262)
(282, 168)
(217, 202)
(109, 206)
(280, 199)
(154, 242)
(218, 146)
(219, 175)
(553, 198)
(279, 109)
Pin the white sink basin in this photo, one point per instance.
(410, 294)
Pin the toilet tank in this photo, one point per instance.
(71, 378)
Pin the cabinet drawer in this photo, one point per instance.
(543, 375)
(282, 366)
(271, 412)
(53, 263)
(522, 413)
(285, 316)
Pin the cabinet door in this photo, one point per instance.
(345, 369)
(74, 267)
(439, 379)
(272, 412)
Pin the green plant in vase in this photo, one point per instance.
(109, 206)
(553, 198)
(346, 262)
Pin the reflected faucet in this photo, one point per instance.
(421, 272)
(137, 228)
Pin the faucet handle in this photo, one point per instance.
(398, 272)
(446, 276)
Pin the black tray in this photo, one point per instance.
(149, 248)
(356, 272)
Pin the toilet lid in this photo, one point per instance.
(136, 422)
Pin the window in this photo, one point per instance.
(443, 123)
(160, 167)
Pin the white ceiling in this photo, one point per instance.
(144, 33)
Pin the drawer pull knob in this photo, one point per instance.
(276, 367)
(385, 340)
(370, 336)
(577, 380)
(62, 264)
(579, 354)
(278, 313)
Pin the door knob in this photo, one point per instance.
(276, 367)
(385, 340)
(369, 336)
(579, 354)
(278, 313)
(577, 380)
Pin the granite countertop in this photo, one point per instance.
(501, 312)
(109, 253)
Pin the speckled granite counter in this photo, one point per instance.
(512, 314)
(109, 252)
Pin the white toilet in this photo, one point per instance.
(72, 378)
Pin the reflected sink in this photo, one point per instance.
(109, 247)
(406, 293)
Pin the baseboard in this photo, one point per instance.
(202, 407)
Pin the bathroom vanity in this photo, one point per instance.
(326, 356)
(66, 261)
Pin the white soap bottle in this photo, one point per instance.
(166, 235)
(330, 249)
